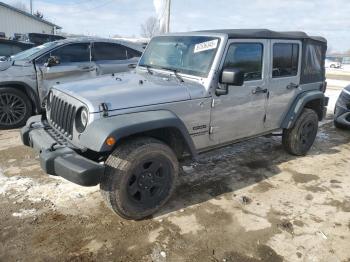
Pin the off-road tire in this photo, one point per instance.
(125, 170)
(299, 139)
(12, 99)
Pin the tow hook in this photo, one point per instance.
(52, 147)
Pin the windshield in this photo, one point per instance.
(186, 54)
(29, 52)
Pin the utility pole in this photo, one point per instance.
(31, 7)
(167, 27)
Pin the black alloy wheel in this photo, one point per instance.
(15, 108)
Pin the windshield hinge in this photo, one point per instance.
(213, 129)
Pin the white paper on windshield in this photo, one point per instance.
(205, 46)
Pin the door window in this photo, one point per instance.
(247, 57)
(133, 53)
(79, 52)
(109, 51)
(5, 49)
(285, 60)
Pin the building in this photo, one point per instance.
(346, 63)
(14, 21)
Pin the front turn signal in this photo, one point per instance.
(110, 141)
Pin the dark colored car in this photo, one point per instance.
(342, 109)
(10, 47)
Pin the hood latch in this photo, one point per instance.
(104, 109)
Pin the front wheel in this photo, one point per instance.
(140, 177)
(15, 108)
(299, 139)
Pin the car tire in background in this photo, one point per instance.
(15, 108)
(299, 139)
(140, 177)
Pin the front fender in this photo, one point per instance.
(125, 125)
(299, 104)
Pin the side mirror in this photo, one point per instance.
(232, 76)
(229, 76)
(52, 61)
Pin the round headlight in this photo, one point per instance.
(82, 119)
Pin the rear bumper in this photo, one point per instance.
(60, 160)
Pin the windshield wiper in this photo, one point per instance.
(148, 69)
(175, 73)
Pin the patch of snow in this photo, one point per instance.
(25, 213)
(68, 197)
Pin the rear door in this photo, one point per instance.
(113, 58)
(75, 64)
(284, 80)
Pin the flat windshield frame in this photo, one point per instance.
(29, 53)
(191, 55)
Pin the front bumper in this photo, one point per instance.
(342, 116)
(342, 109)
(57, 159)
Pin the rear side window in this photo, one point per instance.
(133, 53)
(73, 53)
(285, 60)
(248, 57)
(109, 51)
(313, 61)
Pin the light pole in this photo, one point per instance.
(31, 7)
(167, 27)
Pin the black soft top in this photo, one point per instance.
(266, 34)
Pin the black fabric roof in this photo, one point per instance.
(266, 34)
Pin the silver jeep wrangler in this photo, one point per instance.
(190, 93)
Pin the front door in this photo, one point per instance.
(241, 113)
(75, 64)
(284, 79)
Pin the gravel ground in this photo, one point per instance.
(247, 202)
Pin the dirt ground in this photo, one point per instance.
(247, 202)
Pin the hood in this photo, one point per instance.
(131, 89)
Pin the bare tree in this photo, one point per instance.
(150, 27)
(21, 6)
(39, 14)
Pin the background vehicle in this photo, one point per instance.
(332, 63)
(10, 47)
(39, 39)
(342, 109)
(27, 76)
(192, 92)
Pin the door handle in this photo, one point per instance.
(292, 85)
(259, 90)
(132, 65)
(87, 68)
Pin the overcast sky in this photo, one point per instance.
(329, 18)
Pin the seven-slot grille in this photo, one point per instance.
(62, 116)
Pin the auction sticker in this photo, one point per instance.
(205, 46)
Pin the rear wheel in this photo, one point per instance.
(140, 177)
(299, 139)
(15, 108)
